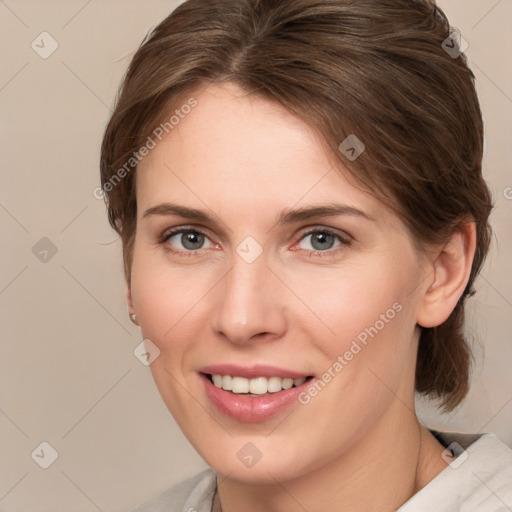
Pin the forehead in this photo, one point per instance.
(248, 151)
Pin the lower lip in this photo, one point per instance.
(248, 408)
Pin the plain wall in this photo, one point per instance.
(68, 375)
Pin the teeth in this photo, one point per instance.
(287, 383)
(227, 383)
(240, 385)
(256, 386)
(274, 384)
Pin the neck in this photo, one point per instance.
(380, 473)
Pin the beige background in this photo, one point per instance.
(68, 375)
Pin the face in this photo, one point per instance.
(256, 265)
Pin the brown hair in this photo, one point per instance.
(374, 68)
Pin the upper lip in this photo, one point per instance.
(251, 372)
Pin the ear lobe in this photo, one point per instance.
(131, 309)
(450, 274)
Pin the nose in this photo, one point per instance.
(249, 304)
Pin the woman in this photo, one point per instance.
(298, 190)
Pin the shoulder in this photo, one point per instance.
(479, 478)
(192, 495)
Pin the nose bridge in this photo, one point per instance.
(247, 304)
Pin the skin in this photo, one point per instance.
(357, 445)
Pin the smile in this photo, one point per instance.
(252, 394)
(256, 386)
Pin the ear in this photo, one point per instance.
(449, 274)
(131, 309)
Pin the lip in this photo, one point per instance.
(251, 409)
(251, 372)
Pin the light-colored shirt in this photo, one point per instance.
(478, 479)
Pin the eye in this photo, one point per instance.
(186, 239)
(321, 240)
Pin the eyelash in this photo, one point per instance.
(176, 231)
(344, 241)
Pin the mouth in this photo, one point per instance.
(257, 395)
(254, 387)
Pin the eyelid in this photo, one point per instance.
(345, 240)
(342, 235)
(169, 233)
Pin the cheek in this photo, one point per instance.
(346, 302)
(165, 298)
(168, 302)
(366, 317)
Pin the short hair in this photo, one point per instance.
(377, 69)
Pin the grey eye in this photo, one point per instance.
(192, 240)
(319, 241)
(188, 240)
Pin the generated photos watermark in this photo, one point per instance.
(357, 345)
(158, 133)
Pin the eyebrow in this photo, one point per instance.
(180, 211)
(287, 216)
